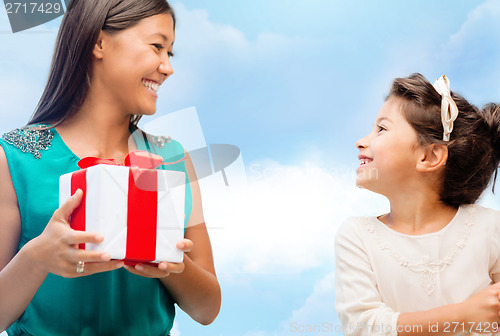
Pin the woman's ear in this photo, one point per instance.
(98, 51)
(432, 158)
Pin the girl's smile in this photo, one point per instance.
(388, 154)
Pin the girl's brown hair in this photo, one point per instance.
(474, 146)
(70, 71)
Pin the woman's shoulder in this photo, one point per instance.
(161, 144)
(30, 139)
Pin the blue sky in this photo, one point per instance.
(293, 83)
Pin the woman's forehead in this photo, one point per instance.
(157, 26)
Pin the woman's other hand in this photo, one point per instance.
(164, 268)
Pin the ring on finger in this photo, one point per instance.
(80, 267)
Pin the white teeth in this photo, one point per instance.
(364, 161)
(151, 85)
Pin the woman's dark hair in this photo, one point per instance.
(474, 146)
(70, 72)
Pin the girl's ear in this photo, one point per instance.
(98, 51)
(432, 158)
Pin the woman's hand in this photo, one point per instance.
(164, 268)
(56, 249)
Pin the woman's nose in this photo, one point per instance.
(166, 67)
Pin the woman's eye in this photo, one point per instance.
(158, 46)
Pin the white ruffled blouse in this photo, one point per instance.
(381, 273)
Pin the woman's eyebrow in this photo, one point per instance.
(163, 36)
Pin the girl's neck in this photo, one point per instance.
(418, 214)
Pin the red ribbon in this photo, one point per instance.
(141, 159)
(141, 206)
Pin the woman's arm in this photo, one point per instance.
(196, 290)
(19, 276)
(53, 251)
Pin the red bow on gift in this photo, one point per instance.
(141, 159)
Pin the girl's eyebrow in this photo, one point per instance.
(383, 118)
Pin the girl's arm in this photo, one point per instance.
(362, 311)
(192, 284)
(22, 273)
(357, 299)
(479, 313)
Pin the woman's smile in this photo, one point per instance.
(151, 86)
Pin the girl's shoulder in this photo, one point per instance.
(355, 228)
(354, 223)
(484, 214)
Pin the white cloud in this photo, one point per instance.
(285, 219)
(480, 30)
(257, 333)
(18, 101)
(175, 329)
(212, 58)
(316, 316)
(196, 34)
(24, 62)
(472, 53)
(318, 311)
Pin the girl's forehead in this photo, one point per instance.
(391, 109)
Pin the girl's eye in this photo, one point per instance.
(381, 128)
(170, 54)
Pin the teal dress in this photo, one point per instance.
(109, 303)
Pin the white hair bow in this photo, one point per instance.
(449, 110)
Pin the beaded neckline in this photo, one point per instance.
(30, 139)
(34, 139)
(427, 267)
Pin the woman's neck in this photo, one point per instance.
(97, 129)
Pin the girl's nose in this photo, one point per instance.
(362, 143)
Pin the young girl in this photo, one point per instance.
(110, 58)
(428, 266)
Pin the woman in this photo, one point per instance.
(110, 58)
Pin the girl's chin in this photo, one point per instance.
(360, 184)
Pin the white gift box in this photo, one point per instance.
(106, 211)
